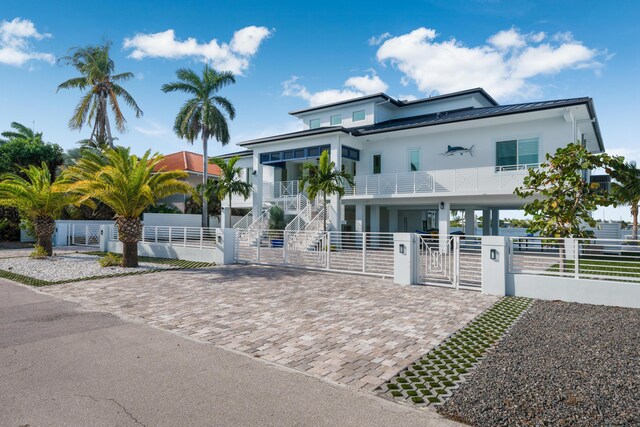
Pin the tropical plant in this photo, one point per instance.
(563, 199)
(102, 90)
(626, 190)
(323, 178)
(200, 115)
(276, 218)
(38, 198)
(229, 182)
(127, 184)
(21, 133)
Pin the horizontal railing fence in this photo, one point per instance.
(186, 237)
(366, 253)
(601, 259)
(469, 180)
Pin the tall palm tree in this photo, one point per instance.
(38, 199)
(324, 178)
(127, 184)
(21, 133)
(229, 182)
(627, 191)
(102, 90)
(200, 115)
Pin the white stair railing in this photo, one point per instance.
(245, 221)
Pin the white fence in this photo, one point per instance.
(602, 259)
(364, 253)
(186, 237)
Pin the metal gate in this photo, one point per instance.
(450, 261)
(84, 234)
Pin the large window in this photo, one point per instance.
(358, 115)
(314, 123)
(377, 163)
(414, 160)
(516, 153)
(336, 120)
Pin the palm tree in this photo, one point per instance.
(127, 184)
(21, 133)
(627, 191)
(324, 178)
(38, 199)
(101, 87)
(200, 115)
(229, 182)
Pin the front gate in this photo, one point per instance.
(452, 261)
(84, 234)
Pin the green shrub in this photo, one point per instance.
(110, 260)
(38, 252)
(276, 218)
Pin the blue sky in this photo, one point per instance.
(293, 54)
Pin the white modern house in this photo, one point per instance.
(414, 161)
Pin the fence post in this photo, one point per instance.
(495, 260)
(170, 233)
(405, 267)
(364, 252)
(184, 241)
(285, 244)
(105, 236)
(258, 243)
(576, 263)
(328, 243)
(201, 236)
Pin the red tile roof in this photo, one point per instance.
(186, 161)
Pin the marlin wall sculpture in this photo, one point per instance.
(452, 151)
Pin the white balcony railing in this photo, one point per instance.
(484, 180)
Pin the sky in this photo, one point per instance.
(289, 55)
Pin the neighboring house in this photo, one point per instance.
(415, 161)
(190, 163)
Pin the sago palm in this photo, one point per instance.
(102, 92)
(200, 116)
(21, 133)
(627, 191)
(229, 182)
(323, 178)
(127, 184)
(38, 199)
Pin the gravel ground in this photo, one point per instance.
(68, 267)
(562, 364)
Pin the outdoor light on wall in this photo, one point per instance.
(441, 205)
(493, 254)
(254, 173)
(401, 248)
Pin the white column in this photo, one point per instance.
(393, 220)
(486, 222)
(336, 157)
(494, 265)
(361, 218)
(469, 222)
(495, 221)
(257, 186)
(444, 219)
(405, 269)
(225, 217)
(374, 218)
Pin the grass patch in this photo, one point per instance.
(600, 268)
(437, 374)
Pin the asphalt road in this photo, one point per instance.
(60, 365)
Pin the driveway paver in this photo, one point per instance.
(354, 330)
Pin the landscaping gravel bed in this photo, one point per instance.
(562, 364)
(68, 267)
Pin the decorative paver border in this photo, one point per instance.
(176, 264)
(433, 378)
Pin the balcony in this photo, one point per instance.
(469, 181)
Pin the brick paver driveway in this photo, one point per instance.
(354, 330)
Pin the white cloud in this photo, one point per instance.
(376, 41)
(354, 87)
(503, 66)
(233, 56)
(15, 43)
(152, 128)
